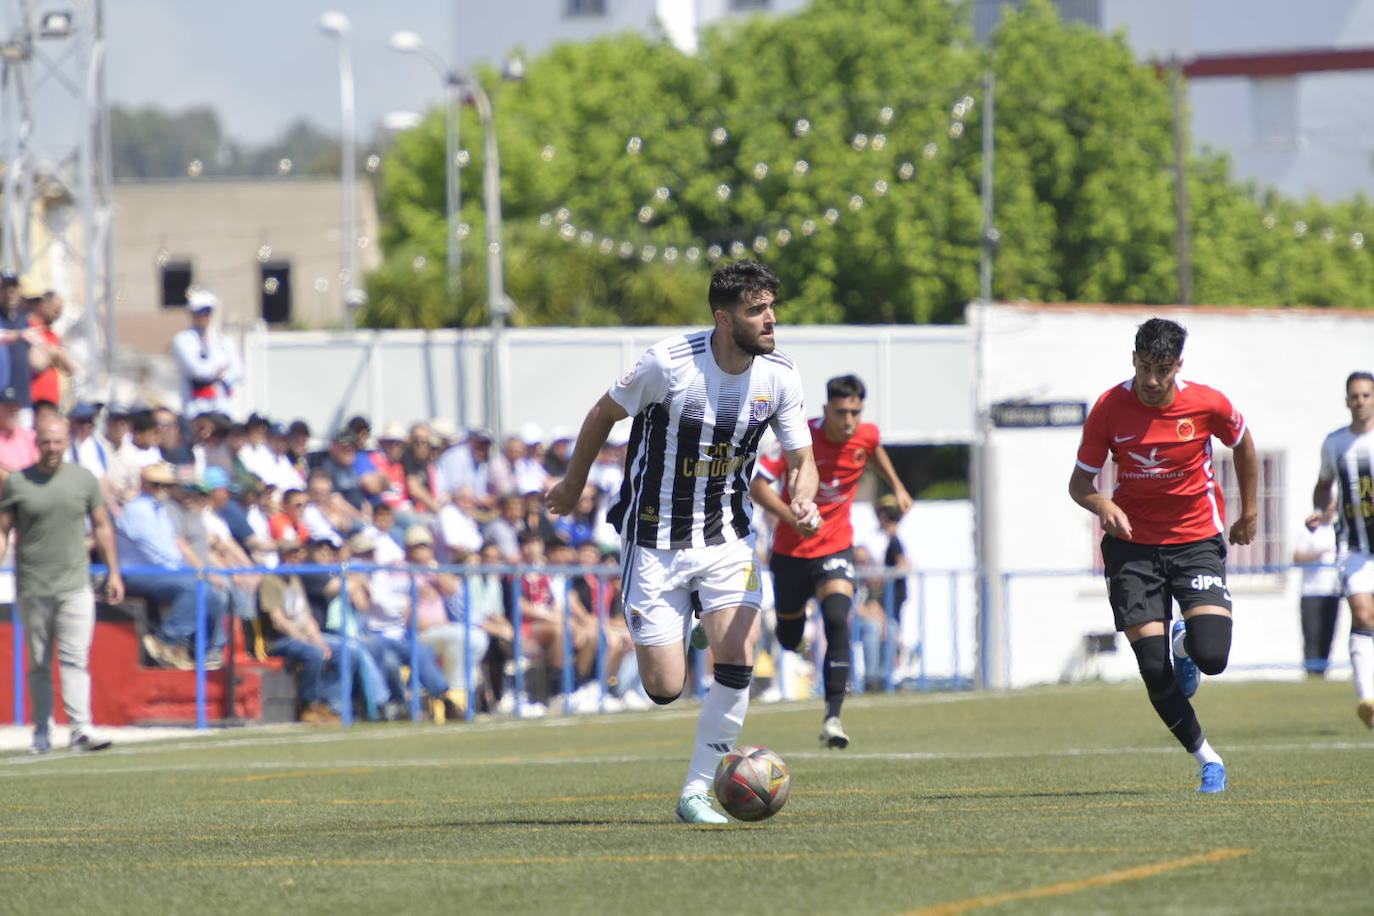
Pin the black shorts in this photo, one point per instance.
(795, 579)
(1143, 580)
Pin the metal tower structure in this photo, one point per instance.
(55, 140)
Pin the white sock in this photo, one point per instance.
(1205, 755)
(1362, 661)
(718, 727)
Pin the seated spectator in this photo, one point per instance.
(559, 452)
(208, 545)
(504, 530)
(291, 517)
(870, 624)
(18, 445)
(440, 613)
(233, 513)
(487, 609)
(298, 447)
(324, 592)
(442, 434)
(146, 536)
(515, 470)
(389, 462)
(536, 519)
(289, 631)
(117, 425)
(458, 529)
(385, 619)
(468, 464)
(341, 465)
(47, 357)
(329, 514)
(541, 615)
(390, 537)
(593, 597)
(88, 449)
(421, 478)
(171, 441)
(211, 446)
(254, 453)
(578, 527)
(581, 618)
(136, 453)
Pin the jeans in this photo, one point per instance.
(869, 634)
(391, 654)
(310, 677)
(69, 621)
(177, 596)
(447, 641)
(369, 684)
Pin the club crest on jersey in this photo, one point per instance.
(627, 377)
(636, 621)
(759, 409)
(1186, 428)
(860, 455)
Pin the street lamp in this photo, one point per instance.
(336, 25)
(411, 43)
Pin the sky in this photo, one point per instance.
(262, 64)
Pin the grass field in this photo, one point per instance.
(1057, 800)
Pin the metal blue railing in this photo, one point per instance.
(350, 635)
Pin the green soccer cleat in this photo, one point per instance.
(696, 809)
(698, 639)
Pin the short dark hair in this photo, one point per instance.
(1160, 339)
(845, 386)
(1358, 376)
(142, 421)
(738, 282)
(298, 427)
(528, 536)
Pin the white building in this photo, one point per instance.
(1282, 87)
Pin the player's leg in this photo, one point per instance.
(836, 596)
(657, 608)
(1318, 613)
(39, 616)
(792, 589)
(75, 617)
(731, 595)
(1140, 600)
(1197, 580)
(1362, 652)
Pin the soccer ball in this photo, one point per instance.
(752, 783)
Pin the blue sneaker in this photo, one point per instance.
(1213, 778)
(696, 809)
(1185, 669)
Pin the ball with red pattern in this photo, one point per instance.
(752, 783)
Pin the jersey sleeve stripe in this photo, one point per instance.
(1239, 436)
(1087, 467)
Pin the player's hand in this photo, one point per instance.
(1113, 520)
(1243, 531)
(562, 497)
(114, 588)
(806, 517)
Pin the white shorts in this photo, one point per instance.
(1357, 571)
(658, 586)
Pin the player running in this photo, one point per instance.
(701, 402)
(809, 562)
(1164, 529)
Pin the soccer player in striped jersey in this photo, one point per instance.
(700, 403)
(1163, 524)
(1348, 461)
(821, 563)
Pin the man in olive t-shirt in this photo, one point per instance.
(47, 504)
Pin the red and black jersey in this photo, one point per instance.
(1165, 480)
(839, 465)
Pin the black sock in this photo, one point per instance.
(835, 614)
(1172, 707)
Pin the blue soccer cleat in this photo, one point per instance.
(1185, 669)
(1213, 778)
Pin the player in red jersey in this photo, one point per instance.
(820, 561)
(1164, 525)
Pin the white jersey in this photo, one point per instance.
(1348, 460)
(695, 439)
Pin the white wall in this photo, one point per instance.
(1284, 369)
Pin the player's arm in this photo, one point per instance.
(1083, 490)
(605, 413)
(802, 483)
(1323, 498)
(889, 474)
(105, 540)
(1247, 476)
(763, 494)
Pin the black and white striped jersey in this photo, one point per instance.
(695, 438)
(1348, 461)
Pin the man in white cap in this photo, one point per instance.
(209, 361)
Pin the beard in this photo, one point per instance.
(752, 346)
